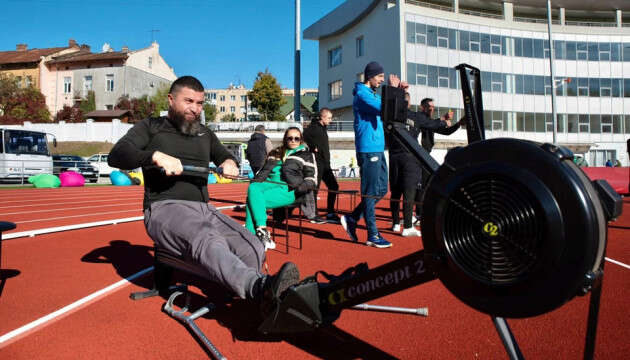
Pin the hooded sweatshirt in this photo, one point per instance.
(368, 127)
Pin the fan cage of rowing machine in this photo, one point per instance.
(518, 227)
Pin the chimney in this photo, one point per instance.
(21, 47)
(125, 49)
(72, 43)
(85, 47)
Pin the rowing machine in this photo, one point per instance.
(512, 228)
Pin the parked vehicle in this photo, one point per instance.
(75, 163)
(24, 153)
(100, 162)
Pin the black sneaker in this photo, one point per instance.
(273, 286)
(318, 220)
(333, 219)
(265, 237)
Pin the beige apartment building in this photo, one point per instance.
(233, 100)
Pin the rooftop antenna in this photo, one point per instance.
(152, 34)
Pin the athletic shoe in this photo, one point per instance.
(265, 237)
(333, 219)
(412, 231)
(273, 286)
(350, 226)
(318, 220)
(396, 227)
(379, 242)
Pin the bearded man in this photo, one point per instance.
(177, 215)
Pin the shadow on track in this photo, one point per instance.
(126, 258)
(7, 274)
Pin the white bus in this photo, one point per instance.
(24, 153)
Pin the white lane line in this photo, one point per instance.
(43, 320)
(31, 233)
(68, 208)
(75, 216)
(618, 263)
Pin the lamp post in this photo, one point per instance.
(552, 71)
(296, 102)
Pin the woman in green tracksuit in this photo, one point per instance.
(289, 173)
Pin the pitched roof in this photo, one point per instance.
(88, 56)
(306, 101)
(33, 55)
(106, 113)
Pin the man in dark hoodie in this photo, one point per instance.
(258, 146)
(316, 137)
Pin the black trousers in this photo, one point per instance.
(404, 179)
(324, 172)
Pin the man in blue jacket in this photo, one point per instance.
(369, 139)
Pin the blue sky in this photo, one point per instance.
(220, 42)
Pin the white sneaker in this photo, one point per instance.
(266, 239)
(412, 231)
(396, 227)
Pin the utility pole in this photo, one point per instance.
(552, 71)
(296, 103)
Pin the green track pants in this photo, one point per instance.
(262, 196)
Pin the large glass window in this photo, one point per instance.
(584, 123)
(518, 47)
(431, 35)
(485, 43)
(615, 52)
(529, 122)
(616, 87)
(605, 87)
(528, 47)
(582, 51)
(442, 37)
(421, 33)
(432, 75)
(607, 124)
(452, 78)
(464, 38)
(604, 51)
(539, 85)
(411, 73)
(421, 74)
(452, 39)
(109, 82)
(593, 52)
(540, 122)
(334, 57)
(528, 84)
(520, 121)
(518, 84)
(626, 51)
(335, 90)
(443, 77)
(571, 50)
(538, 49)
(495, 44)
(572, 123)
(411, 32)
(582, 86)
(626, 87)
(593, 87)
(475, 45)
(558, 49)
(626, 124)
(571, 87)
(595, 120)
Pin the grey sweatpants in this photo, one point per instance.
(198, 231)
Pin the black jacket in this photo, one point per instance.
(428, 140)
(136, 149)
(256, 151)
(316, 137)
(299, 171)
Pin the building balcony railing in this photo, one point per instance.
(590, 23)
(429, 5)
(535, 20)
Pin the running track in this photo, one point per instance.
(49, 272)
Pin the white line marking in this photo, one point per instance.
(74, 216)
(618, 263)
(32, 233)
(67, 208)
(41, 321)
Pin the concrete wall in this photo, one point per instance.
(139, 59)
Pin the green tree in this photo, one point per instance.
(21, 104)
(160, 99)
(89, 103)
(71, 114)
(228, 118)
(141, 108)
(266, 96)
(210, 112)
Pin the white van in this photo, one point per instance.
(24, 153)
(100, 161)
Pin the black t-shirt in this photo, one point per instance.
(136, 149)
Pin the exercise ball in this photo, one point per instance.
(71, 179)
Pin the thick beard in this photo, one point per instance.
(184, 126)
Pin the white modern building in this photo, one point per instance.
(422, 41)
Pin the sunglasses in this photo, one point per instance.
(290, 138)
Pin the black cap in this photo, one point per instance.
(372, 69)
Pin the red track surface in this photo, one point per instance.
(57, 269)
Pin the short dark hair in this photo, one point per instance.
(323, 110)
(260, 127)
(187, 81)
(425, 102)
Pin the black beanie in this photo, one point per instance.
(372, 69)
